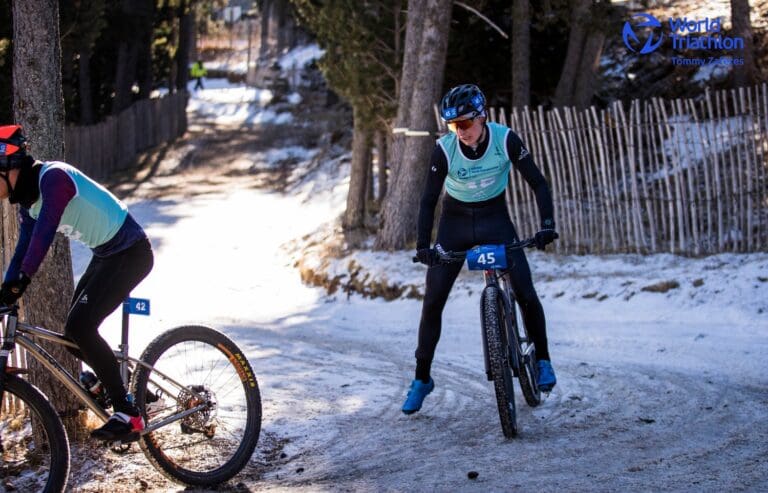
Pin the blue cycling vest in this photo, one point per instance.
(475, 180)
(93, 216)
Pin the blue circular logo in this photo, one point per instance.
(462, 173)
(631, 40)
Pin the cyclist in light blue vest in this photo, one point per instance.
(55, 196)
(473, 162)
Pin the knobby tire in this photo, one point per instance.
(212, 445)
(500, 370)
(23, 450)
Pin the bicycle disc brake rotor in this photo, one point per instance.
(203, 420)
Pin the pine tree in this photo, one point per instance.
(359, 64)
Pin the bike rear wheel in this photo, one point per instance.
(33, 442)
(194, 366)
(501, 373)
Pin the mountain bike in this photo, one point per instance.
(196, 390)
(508, 351)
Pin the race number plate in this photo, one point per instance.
(486, 257)
(136, 306)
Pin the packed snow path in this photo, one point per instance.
(662, 391)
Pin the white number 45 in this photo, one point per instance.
(486, 258)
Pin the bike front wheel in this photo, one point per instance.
(501, 373)
(33, 442)
(196, 367)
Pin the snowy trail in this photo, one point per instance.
(655, 393)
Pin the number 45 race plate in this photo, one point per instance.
(485, 257)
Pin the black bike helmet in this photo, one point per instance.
(462, 102)
(13, 147)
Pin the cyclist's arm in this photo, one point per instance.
(26, 224)
(56, 190)
(438, 169)
(523, 162)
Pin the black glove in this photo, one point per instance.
(11, 291)
(427, 256)
(545, 237)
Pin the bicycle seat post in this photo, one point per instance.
(124, 341)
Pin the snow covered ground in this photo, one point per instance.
(657, 391)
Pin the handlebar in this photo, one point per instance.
(450, 257)
(8, 308)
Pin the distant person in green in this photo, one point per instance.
(198, 72)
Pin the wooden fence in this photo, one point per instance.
(115, 143)
(684, 176)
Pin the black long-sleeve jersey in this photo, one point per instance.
(521, 160)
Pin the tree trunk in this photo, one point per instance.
(565, 86)
(521, 53)
(144, 67)
(38, 105)
(182, 54)
(413, 32)
(354, 215)
(743, 75)
(84, 83)
(584, 85)
(125, 76)
(398, 216)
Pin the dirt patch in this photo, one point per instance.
(661, 287)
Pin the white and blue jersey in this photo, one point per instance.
(73, 204)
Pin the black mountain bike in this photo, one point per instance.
(507, 349)
(196, 390)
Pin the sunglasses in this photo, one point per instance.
(461, 124)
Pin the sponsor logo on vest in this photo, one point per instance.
(69, 232)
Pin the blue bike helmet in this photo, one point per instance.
(462, 102)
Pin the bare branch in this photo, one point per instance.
(474, 11)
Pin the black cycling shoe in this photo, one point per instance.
(120, 426)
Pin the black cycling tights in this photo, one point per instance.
(105, 284)
(464, 225)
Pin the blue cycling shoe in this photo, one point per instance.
(547, 378)
(419, 390)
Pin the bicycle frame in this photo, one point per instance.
(498, 278)
(16, 332)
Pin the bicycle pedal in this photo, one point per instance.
(120, 447)
(124, 440)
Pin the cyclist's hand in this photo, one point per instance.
(427, 256)
(545, 237)
(11, 291)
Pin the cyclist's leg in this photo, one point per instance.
(530, 305)
(84, 280)
(110, 281)
(440, 279)
(454, 232)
